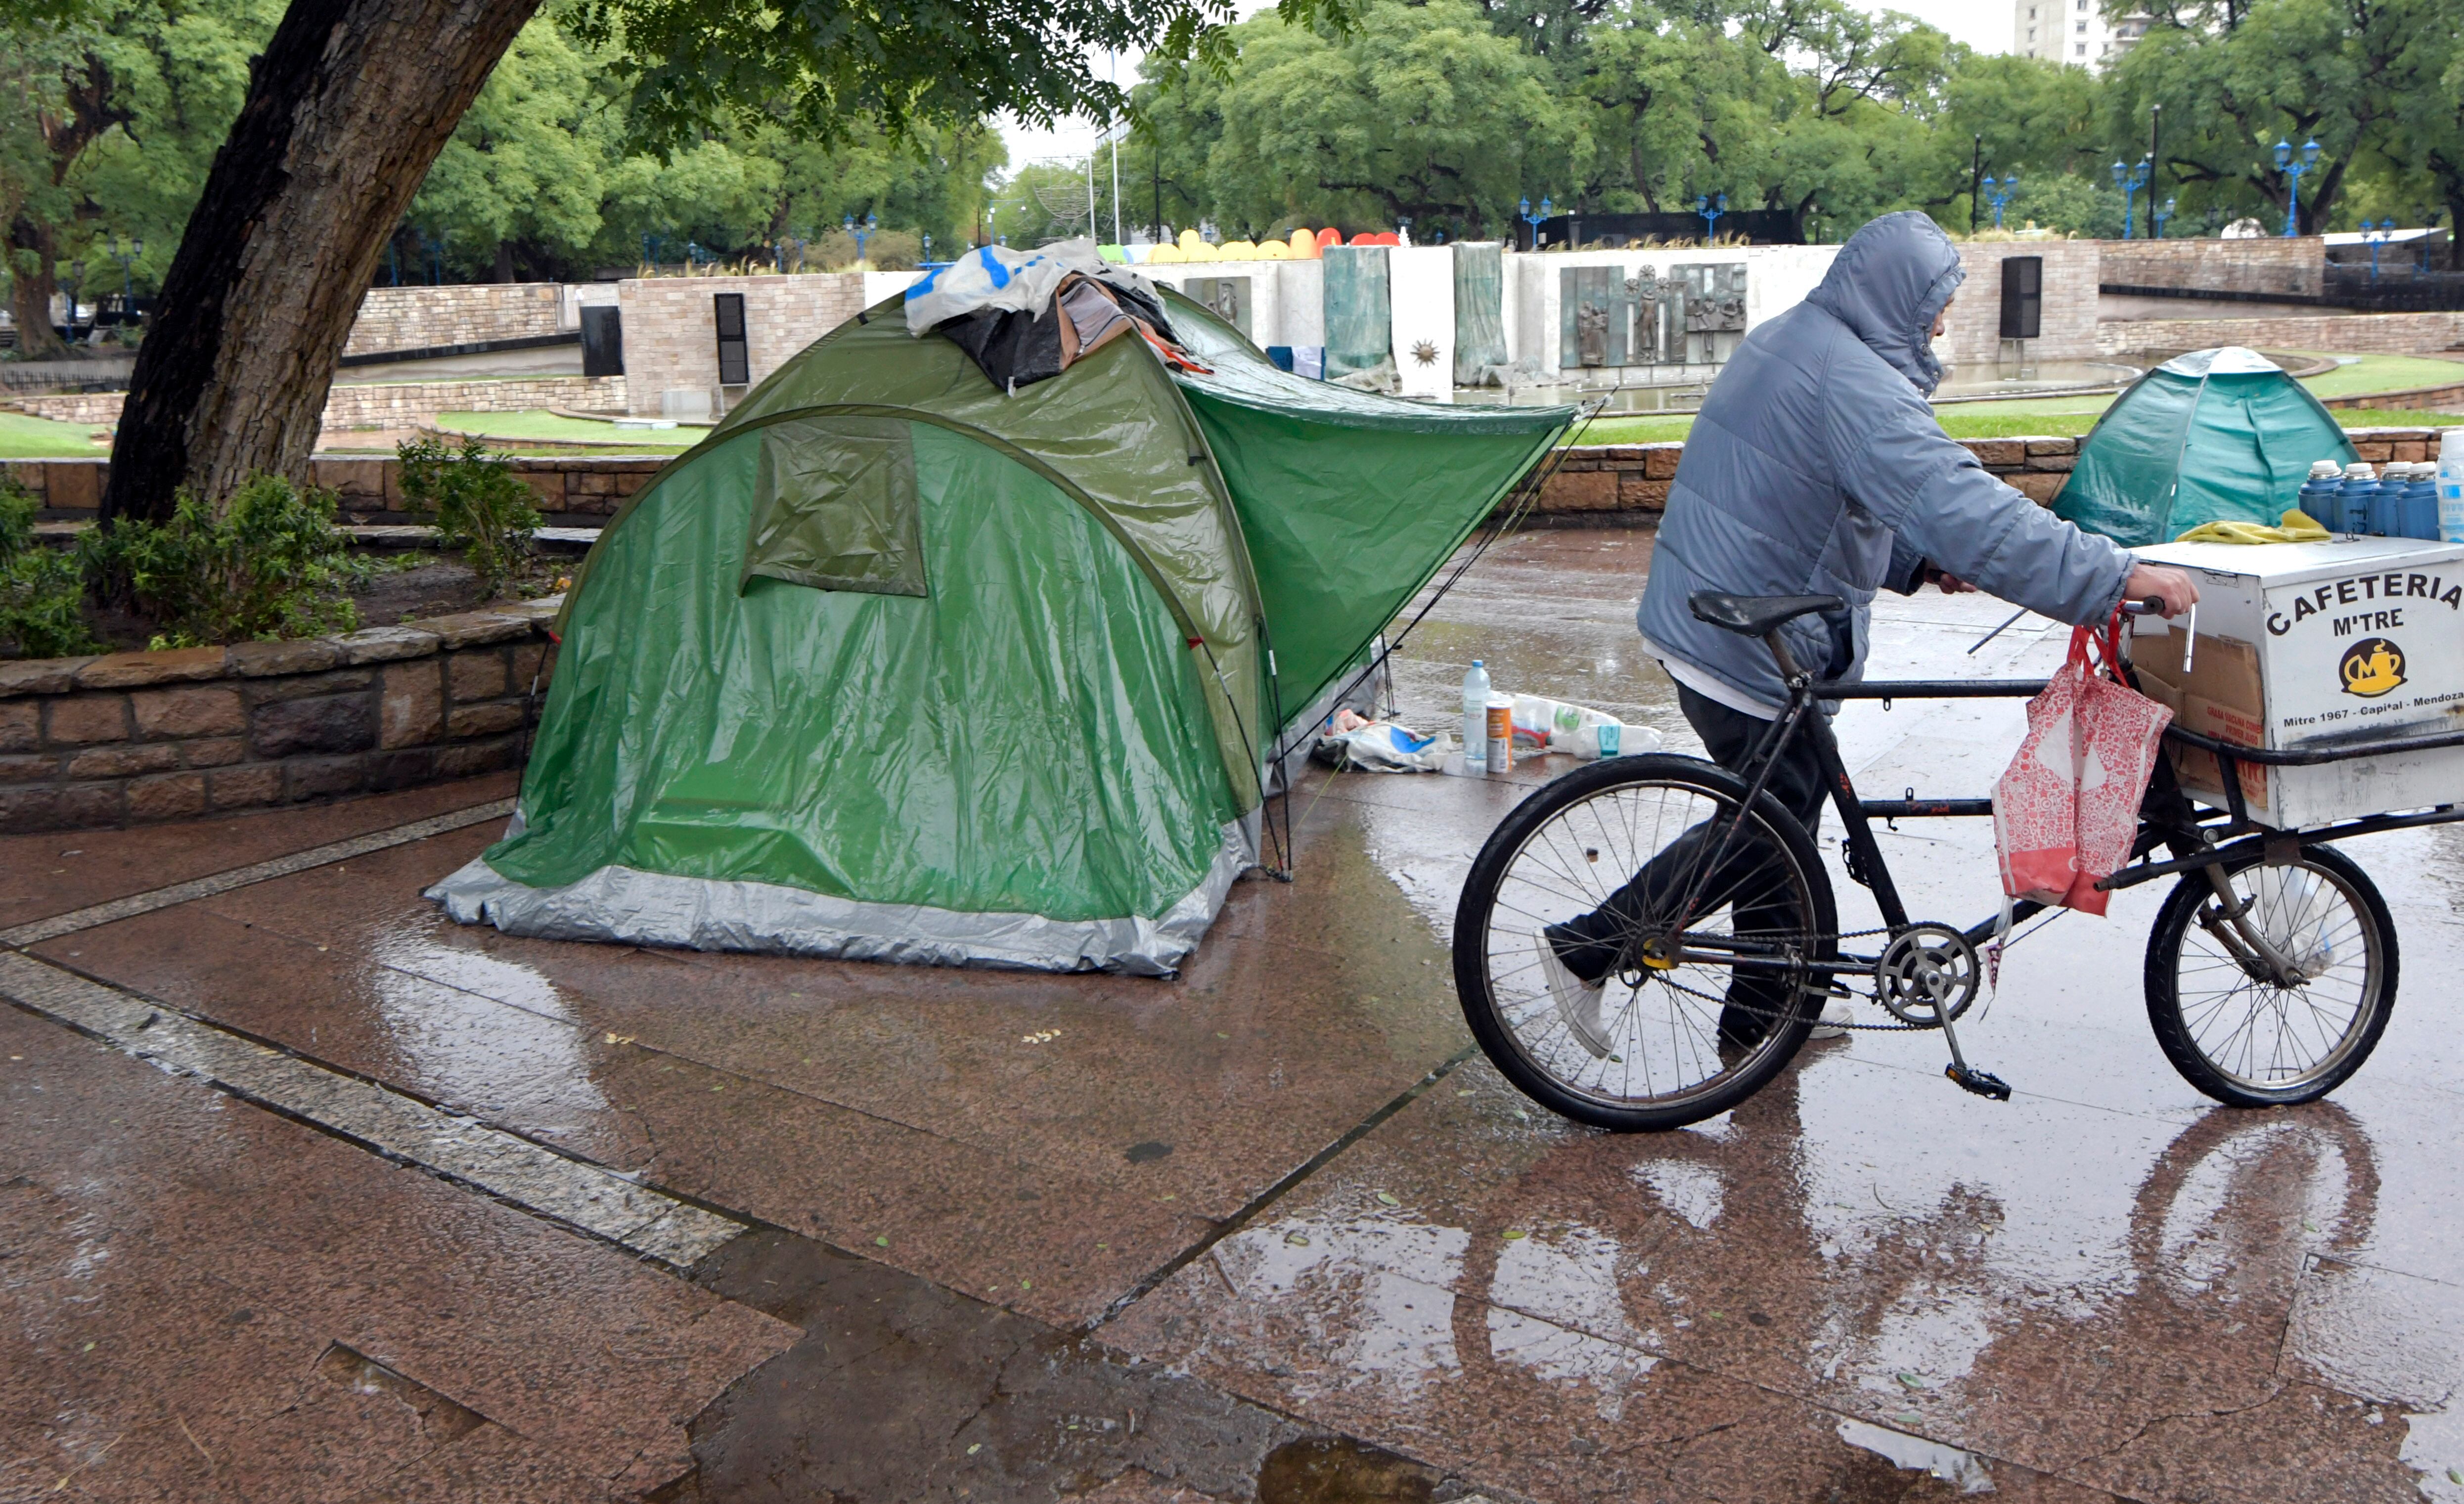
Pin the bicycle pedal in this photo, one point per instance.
(1983, 1083)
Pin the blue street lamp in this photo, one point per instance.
(2129, 180)
(1999, 196)
(1524, 214)
(2376, 235)
(2161, 215)
(928, 245)
(126, 252)
(862, 233)
(1710, 211)
(2292, 170)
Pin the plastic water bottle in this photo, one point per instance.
(2451, 487)
(2318, 496)
(2360, 490)
(1476, 718)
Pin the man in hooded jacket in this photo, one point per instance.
(1817, 468)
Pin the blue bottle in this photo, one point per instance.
(2318, 496)
(2421, 504)
(2358, 493)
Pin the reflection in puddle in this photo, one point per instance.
(1374, 1297)
(1692, 1192)
(1552, 1292)
(461, 1045)
(1963, 1470)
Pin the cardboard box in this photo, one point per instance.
(2309, 646)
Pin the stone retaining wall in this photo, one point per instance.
(386, 404)
(2272, 264)
(672, 341)
(130, 738)
(579, 485)
(423, 317)
(2345, 333)
(1631, 480)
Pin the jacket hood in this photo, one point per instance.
(1888, 284)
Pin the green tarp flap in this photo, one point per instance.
(1032, 737)
(834, 507)
(2216, 435)
(1358, 332)
(1350, 501)
(1479, 310)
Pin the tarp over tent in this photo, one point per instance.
(2214, 435)
(896, 666)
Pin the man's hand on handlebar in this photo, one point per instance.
(2162, 583)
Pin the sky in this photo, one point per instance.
(1982, 24)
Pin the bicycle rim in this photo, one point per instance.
(1563, 856)
(2265, 1043)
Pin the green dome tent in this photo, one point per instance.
(2214, 435)
(898, 666)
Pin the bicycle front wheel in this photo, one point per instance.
(2219, 1012)
(1714, 920)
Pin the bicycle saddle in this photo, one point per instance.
(1754, 616)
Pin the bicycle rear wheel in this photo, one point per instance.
(1735, 917)
(2218, 1013)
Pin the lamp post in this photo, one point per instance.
(1976, 180)
(2376, 235)
(2155, 123)
(1524, 214)
(2160, 215)
(1403, 228)
(928, 245)
(1709, 210)
(2292, 170)
(862, 233)
(2128, 180)
(1999, 195)
(126, 252)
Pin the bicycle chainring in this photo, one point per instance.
(1926, 969)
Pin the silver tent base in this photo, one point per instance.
(650, 908)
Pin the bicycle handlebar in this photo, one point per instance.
(2154, 605)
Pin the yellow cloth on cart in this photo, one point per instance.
(2296, 527)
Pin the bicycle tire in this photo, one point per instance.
(2192, 1046)
(1476, 915)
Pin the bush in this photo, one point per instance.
(479, 504)
(271, 564)
(42, 590)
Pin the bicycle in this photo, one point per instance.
(2270, 974)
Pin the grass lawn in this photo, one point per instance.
(538, 423)
(2385, 373)
(28, 438)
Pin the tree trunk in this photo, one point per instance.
(505, 261)
(30, 286)
(345, 111)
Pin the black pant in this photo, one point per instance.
(1590, 944)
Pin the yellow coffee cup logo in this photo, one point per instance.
(2371, 667)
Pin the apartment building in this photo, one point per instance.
(2072, 32)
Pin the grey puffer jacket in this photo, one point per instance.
(1816, 468)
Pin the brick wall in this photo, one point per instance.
(573, 488)
(1632, 479)
(388, 405)
(1973, 335)
(2349, 333)
(423, 317)
(2269, 265)
(671, 343)
(130, 738)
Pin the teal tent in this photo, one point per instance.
(902, 664)
(2214, 435)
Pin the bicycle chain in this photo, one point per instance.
(1771, 1015)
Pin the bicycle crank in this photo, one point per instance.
(1928, 974)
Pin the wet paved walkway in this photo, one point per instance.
(1272, 1229)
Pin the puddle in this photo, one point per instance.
(1963, 1471)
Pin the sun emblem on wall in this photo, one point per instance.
(1425, 351)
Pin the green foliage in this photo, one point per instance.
(269, 564)
(480, 505)
(42, 592)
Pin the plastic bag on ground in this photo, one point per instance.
(1380, 746)
(2066, 811)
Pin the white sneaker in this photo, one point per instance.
(1836, 1017)
(1581, 1004)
